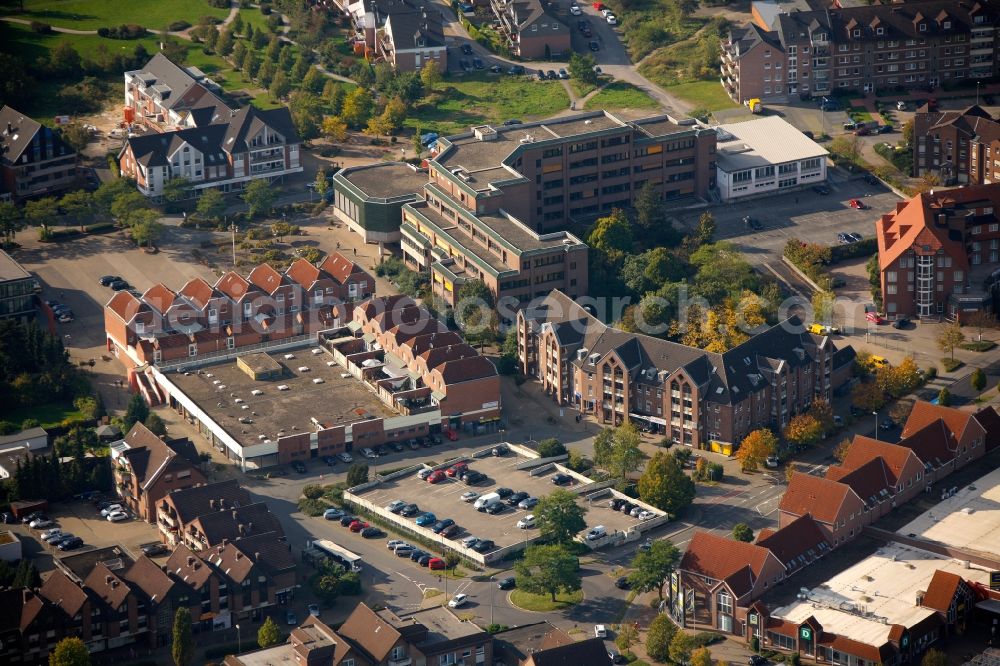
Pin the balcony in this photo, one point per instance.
(405, 661)
(167, 520)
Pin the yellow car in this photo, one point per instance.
(817, 329)
(878, 362)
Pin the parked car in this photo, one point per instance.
(414, 446)
(622, 583)
(594, 45)
(404, 551)
(575, 10)
(450, 434)
(368, 453)
(117, 516)
(119, 285)
(458, 601)
(58, 539)
(330, 461)
(529, 503)
(372, 533)
(358, 526)
(106, 280)
(441, 525)
(40, 523)
(600, 631)
(48, 535)
(472, 478)
(424, 473)
(436, 564)
(612, 19)
(527, 522)
(397, 447)
(515, 70)
(455, 469)
(516, 498)
(822, 190)
(646, 515)
(857, 204)
(436, 476)
(109, 508)
(494, 509)
(31, 516)
(291, 619)
(345, 457)
(417, 554)
(466, 49)
(563, 74)
(598, 6)
(70, 544)
(496, 69)
(470, 541)
(771, 461)
(409, 510)
(333, 514)
(347, 519)
(392, 544)
(299, 466)
(902, 321)
(540, 75)
(756, 659)
(470, 496)
(507, 583)
(425, 519)
(561, 479)
(551, 75)
(500, 450)
(478, 63)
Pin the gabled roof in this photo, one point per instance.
(126, 306)
(369, 632)
(147, 577)
(719, 558)
(267, 550)
(340, 268)
(186, 566)
(63, 593)
(933, 443)
(207, 498)
(266, 278)
(941, 591)
(107, 586)
(924, 412)
(177, 85)
(409, 28)
(864, 449)
(15, 141)
(235, 523)
(159, 297)
(149, 456)
(233, 285)
(990, 421)
(303, 273)
(797, 544)
(589, 652)
(466, 370)
(250, 120)
(421, 343)
(198, 292)
(155, 149)
(867, 480)
(814, 495)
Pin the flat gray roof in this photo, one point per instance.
(386, 180)
(442, 625)
(335, 401)
(761, 142)
(462, 238)
(10, 269)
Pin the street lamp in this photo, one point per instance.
(239, 640)
(492, 588)
(232, 228)
(876, 424)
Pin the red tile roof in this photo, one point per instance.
(188, 567)
(422, 343)
(303, 273)
(106, 584)
(63, 593)
(912, 223)
(864, 449)
(159, 297)
(990, 420)
(872, 653)
(266, 278)
(941, 591)
(466, 370)
(146, 575)
(933, 443)
(822, 498)
(797, 544)
(370, 632)
(339, 267)
(125, 305)
(867, 480)
(198, 292)
(719, 558)
(924, 413)
(233, 285)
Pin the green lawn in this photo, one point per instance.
(30, 45)
(48, 414)
(542, 603)
(93, 14)
(464, 101)
(256, 19)
(580, 88)
(704, 95)
(621, 95)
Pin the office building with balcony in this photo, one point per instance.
(246, 145)
(530, 30)
(694, 397)
(959, 147)
(939, 253)
(17, 290)
(34, 160)
(863, 48)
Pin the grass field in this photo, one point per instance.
(31, 45)
(49, 414)
(542, 603)
(621, 95)
(704, 95)
(93, 14)
(253, 17)
(470, 100)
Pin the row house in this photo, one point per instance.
(179, 508)
(865, 48)
(259, 569)
(202, 320)
(146, 468)
(250, 144)
(416, 364)
(959, 147)
(938, 253)
(697, 398)
(34, 159)
(211, 529)
(164, 96)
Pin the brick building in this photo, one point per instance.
(17, 290)
(530, 30)
(411, 39)
(166, 97)
(938, 253)
(693, 396)
(179, 508)
(863, 48)
(34, 160)
(959, 147)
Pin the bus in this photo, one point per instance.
(328, 549)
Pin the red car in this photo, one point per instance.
(358, 525)
(451, 435)
(455, 469)
(436, 563)
(599, 6)
(874, 317)
(857, 204)
(436, 477)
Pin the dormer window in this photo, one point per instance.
(946, 25)
(857, 32)
(923, 27)
(879, 31)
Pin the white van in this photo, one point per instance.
(486, 501)
(597, 532)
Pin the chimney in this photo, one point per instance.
(108, 579)
(212, 504)
(241, 528)
(236, 514)
(256, 556)
(225, 542)
(10, 129)
(114, 584)
(190, 561)
(239, 555)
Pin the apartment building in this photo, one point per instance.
(959, 147)
(179, 508)
(203, 321)
(411, 39)
(165, 97)
(530, 30)
(34, 160)
(864, 48)
(246, 145)
(17, 290)
(258, 571)
(690, 395)
(146, 468)
(938, 253)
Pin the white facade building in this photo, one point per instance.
(765, 155)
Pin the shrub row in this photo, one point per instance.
(124, 31)
(865, 248)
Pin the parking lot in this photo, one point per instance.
(444, 500)
(83, 519)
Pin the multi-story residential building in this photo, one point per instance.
(258, 571)
(205, 321)
(766, 155)
(865, 48)
(146, 468)
(411, 39)
(692, 396)
(530, 30)
(34, 160)
(17, 289)
(179, 508)
(216, 527)
(959, 147)
(938, 253)
(165, 96)
(245, 145)
(369, 198)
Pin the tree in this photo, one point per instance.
(237, 24)
(11, 220)
(126, 205)
(803, 430)
(307, 113)
(357, 474)
(430, 75)
(868, 397)
(238, 55)
(268, 634)
(79, 205)
(651, 568)
(70, 652)
(978, 379)
(65, 61)
(559, 516)
(211, 205)
(701, 657)
(224, 46)
(550, 448)
(651, 216)
(251, 65)
(301, 67)
(182, 649)
(280, 86)
(950, 337)
(273, 49)
(980, 320)
(665, 485)
(841, 450)
(146, 229)
(548, 570)
(176, 189)
(581, 68)
(156, 424)
(137, 411)
(321, 185)
(755, 448)
(335, 129)
(612, 234)
(334, 95)
(944, 397)
(822, 411)
(379, 126)
(742, 532)
(934, 657)
(848, 147)
(357, 108)
(627, 636)
(210, 35)
(473, 305)
(259, 197)
(658, 637)
(680, 648)
(706, 229)
(907, 132)
(265, 75)
(77, 136)
(313, 81)
(43, 212)
(286, 60)
(822, 305)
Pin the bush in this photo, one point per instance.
(129, 31)
(219, 4)
(496, 628)
(313, 507)
(951, 364)
(978, 345)
(265, 8)
(40, 28)
(931, 373)
(7, 428)
(864, 248)
(550, 448)
(177, 26)
(312, 492)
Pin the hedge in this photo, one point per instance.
(177, 26)
(864, 248)
(124, 31)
